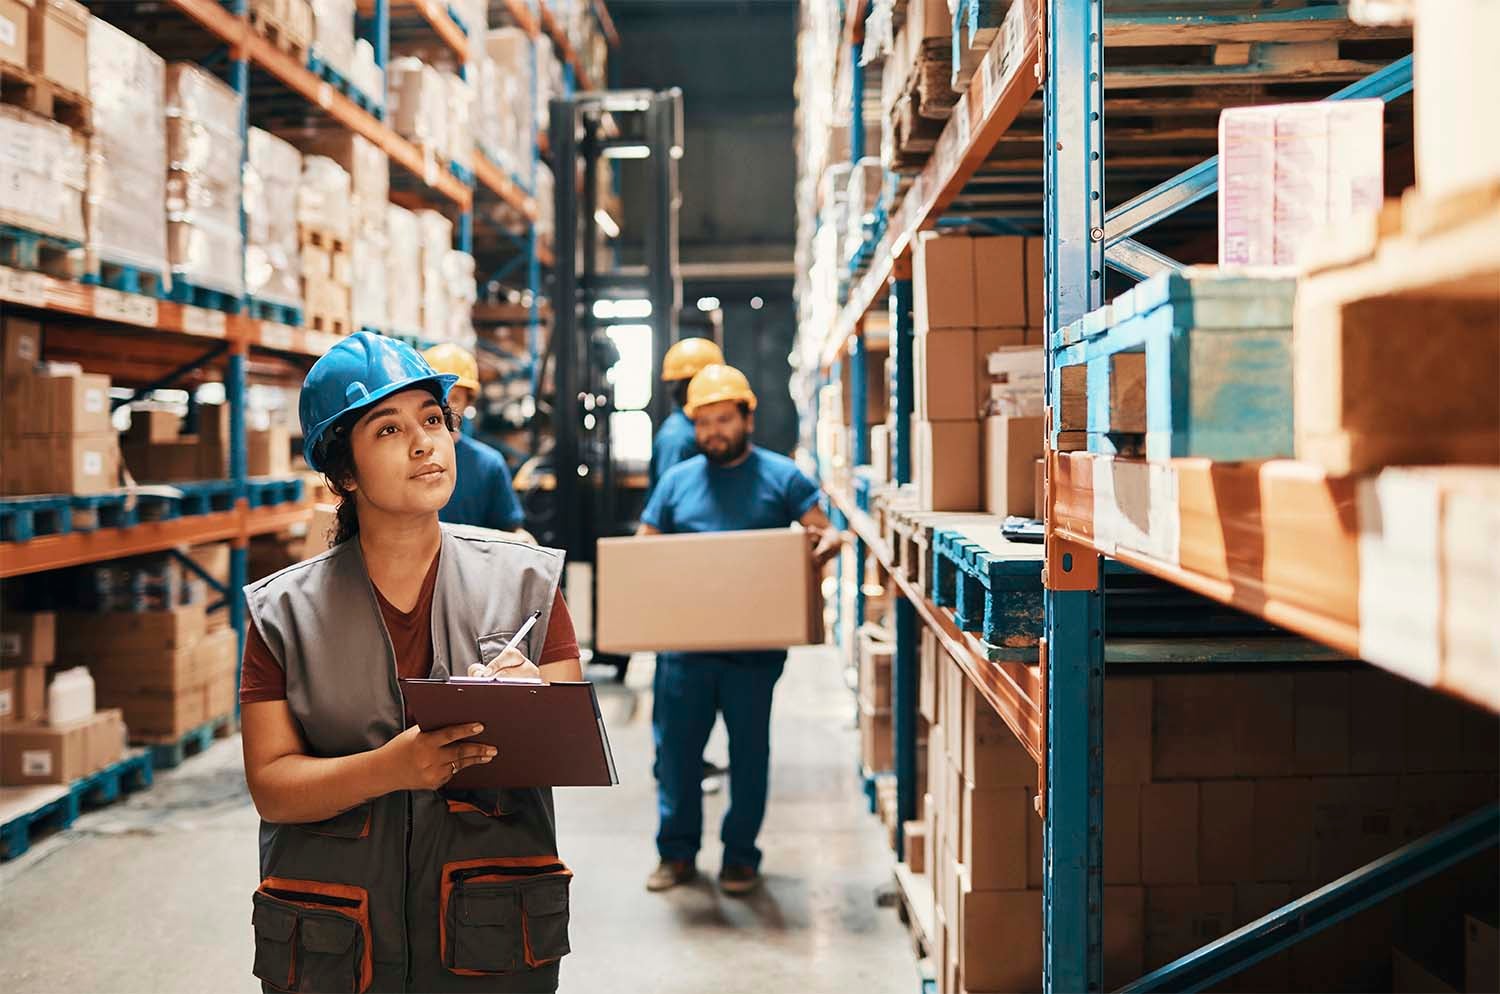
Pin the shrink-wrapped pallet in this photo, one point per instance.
(437, 241)
(273, 170)
(417, 103)
(333, 34)
(545, 225)
(506, 101)
(458, 279)
(368, 78)
(459, 116)
(403, 270)
(369, 303)
(127, 173)
(43, 166)
(204, 244)
(369, 174)
(323, 197)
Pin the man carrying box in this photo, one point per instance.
(731, 486)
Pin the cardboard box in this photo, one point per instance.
(219, 695)
(1124, 936)
(1481, 952)
(943, 292)
(77, 405)
(875, 657)
(1039, 488)
(1321, 720)
(85, 635)
(947, 466)
(1226, 821)
(59, 43)
(15, 15)
(1410, 977)
(217, 653)
(1036, 294)
(156, 670)
(988, 341)
(27, 639)
(1000, 281)
(1264, 725)
(876, 739)
(1453, 58)
(152, 425)
(78, 464)
(927, 673)
(993, 837)
(1001, 940)
(20, 338)
(954, 683)
(1011, 449)
(689, 593)
(1122, 834)
(270, 452)
(946, 375)
(38, 754)
(159, 714)
(992, 755)
(880, 452)
(1251, 903)
(1181, 919)
(1169, 833)
(106, 738)
(1282, 840)
(914, 833)
(1127, 730)
(23, 696)
(1188, 738)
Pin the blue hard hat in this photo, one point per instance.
(354, 374)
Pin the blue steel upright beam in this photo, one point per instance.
(859, 451)
(234, 386)
(1073, 148)
(903, 375)
(533, 260)
(857, 99)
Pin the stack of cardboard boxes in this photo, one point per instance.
(875, 731)
(325, 225)
(973, 297)
(1225, 797)
(164, 669)
(157, 450)
(55, 422)
(32, 751)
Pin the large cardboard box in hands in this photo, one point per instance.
(717, 591)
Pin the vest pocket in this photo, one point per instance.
(504, 915)
(312, 936)
(352, 824)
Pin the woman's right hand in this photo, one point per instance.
(427, 760)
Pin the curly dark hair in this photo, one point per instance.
(335, 454)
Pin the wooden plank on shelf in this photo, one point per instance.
(1303, 24)
(236, 32)
(1007, 77)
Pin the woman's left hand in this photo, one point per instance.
(509, 665)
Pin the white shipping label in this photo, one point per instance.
(7, 705)
(275, 336)
(20, 287)
(93, 463)
(10, 645)
(131, 308)
(7, 31)
(36, 763)
(202, 321)
(93, 401)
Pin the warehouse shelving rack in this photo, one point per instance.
(1055, 49)
(167, 341)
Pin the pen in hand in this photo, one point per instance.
(515, 640)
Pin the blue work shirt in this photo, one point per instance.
(675, 442)
(482, 494)
(767, 490)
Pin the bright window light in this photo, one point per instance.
(630, 436)
(635, 308)
(632, 375)
(628, 152)
(708, 303)
(606, 223)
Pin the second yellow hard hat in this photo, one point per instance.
(450, 358)
(715, 384)
(684, 359)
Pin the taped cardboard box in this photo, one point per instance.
(159, 714)
(23, 696)
(947, 465)
(21, 341)
(943, 294)
(876, 738)
(62, 464)
(43, 174)
(750, 590)
(58, 46)
(39, 754)
(945, 372)
(1011, 449)
(83, 635)
(15, 15)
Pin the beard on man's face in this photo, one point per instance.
(724, 449)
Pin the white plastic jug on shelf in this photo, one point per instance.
(70, 698)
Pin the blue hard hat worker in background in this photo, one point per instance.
(360, 834)
(484, 494)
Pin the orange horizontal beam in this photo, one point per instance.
(565, 48)
(521, 14)
(237, 33)
(495, 179)
(607, 24)
(437, 17)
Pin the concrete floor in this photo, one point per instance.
(153, 894)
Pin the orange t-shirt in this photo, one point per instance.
(263, 679)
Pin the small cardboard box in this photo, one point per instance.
(943, 294)
(915, 834)
(77, 464)
(1000, 281)
(1169, 833)
(945, 375)
(707, 592)
(218, 695)
(106, 738)
(85, 635)
(23, 696)
(22, 337)
(153, 669)
(153, 424)
(1001, 937)
(1183, 918)
(78, 405)
(270, 452)
(986, 342)
(992, 756)
(1011, 449)
(1036, 293)
(876, 739)
(993, 837)
(875, 658)
(28, 639)
(59, 43)
(38, 754)
(948, 465)
(153, 714)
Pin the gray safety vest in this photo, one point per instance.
(416, 890)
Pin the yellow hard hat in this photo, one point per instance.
(455, 359)
(715, 384)
(684, 360)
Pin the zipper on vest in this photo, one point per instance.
(506, 871)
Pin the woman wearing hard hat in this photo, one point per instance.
(374, 877)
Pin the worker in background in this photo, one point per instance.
(366, 860)
(731, 486)
(483, 494)
(674, 441)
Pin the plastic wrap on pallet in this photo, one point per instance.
(369, 305)
(549, 79)
(273, 170)
(458, 278)
(546, 226)
(369, 173)
(333, 34)
(1288, 171)
(204, 245)
(366, 75)
(436, 238)
(506, 94)
(323, 196)
(417, 103)
(43, 168)
(403, 269)
(459, 116)
(127, 152)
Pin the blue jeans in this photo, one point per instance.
(692, 689)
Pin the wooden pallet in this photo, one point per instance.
(322, 238)
(37, 252)
(286, 24)
(31, 91)
(128, 278)
(28, 812)
(329, 324)
(171, 751)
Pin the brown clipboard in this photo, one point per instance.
(547, 734)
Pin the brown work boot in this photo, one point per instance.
(669, 873)
(737, 881)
